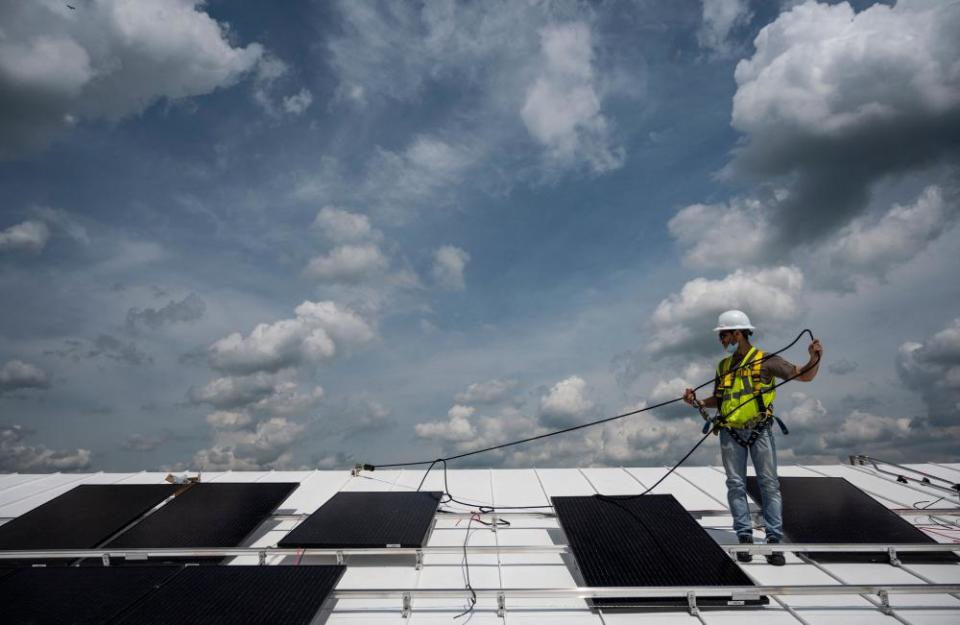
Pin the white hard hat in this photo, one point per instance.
(733, 320)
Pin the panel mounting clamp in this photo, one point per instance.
(892, 554)
(501, 604)
(405, 613)
(692, 603)
(885, 602)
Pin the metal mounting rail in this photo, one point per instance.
(599, 592)
(736, 595)
(213, 552)
(927, 479)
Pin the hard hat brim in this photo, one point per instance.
(734, 327)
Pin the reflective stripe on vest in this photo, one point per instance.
(735, 388)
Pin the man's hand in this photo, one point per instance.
(815, 349)
(690, 396)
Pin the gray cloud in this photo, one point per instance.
(190, 308)
(234, 391)
(488, 392)
(18, 456)
(931, 368)
(842, 367)
(834, 101)
(143, 442)
(721, 18)
(265, 445)
(107, 346)
(16, 375)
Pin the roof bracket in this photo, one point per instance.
(419, 564)
(262, 557)
(405, 613)
(501, 604)
(692, 603)
(892, 554)
(885, 602)
(339, 557)
(105, 558)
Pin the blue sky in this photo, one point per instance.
(259, 235)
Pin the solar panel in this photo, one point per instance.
(80, 596)
(207, 515)
(832, 510)
(368, 519)
(645, 540)
(239, 595)
(82, 518)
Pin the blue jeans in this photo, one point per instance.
(764, 454)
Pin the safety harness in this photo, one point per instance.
(758, 418)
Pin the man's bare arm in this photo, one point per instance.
(809, 371)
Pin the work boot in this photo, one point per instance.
(776, 558)
(745, 556)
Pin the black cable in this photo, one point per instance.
(720, 418)
(466, 572)
(597, 422)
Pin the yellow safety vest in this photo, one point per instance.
(736, 388)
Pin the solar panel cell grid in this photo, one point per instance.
(832, 510)
(642, 541)
(357, 519)
(79, 596)
(239, 595)
(207, 515)
(83, 517)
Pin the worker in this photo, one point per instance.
(744, 394)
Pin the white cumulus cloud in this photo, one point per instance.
(107, 60)
(348, 264)
(566, 402)
(340, 226)
(16, 375)
(562, 109)
(28, 236)
(449, 263)
(311, 336)
(684, 320)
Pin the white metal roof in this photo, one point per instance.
(698, 489)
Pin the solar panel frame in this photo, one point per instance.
(648, 540)
(79, 596)
(83, 517)
(832, 510)
(207, 515)
(238, 595)
(368, 519)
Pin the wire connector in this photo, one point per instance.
(358, 468)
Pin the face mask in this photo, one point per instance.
(731, 348)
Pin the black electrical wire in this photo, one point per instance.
(466, 572)
(719, 419)
(588, 424)
(613, 500)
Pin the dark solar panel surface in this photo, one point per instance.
(643, 541)
(365, 519)
(832, 510)
(239, 595)
(82, 518)
(207, 515)
(79, 596)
